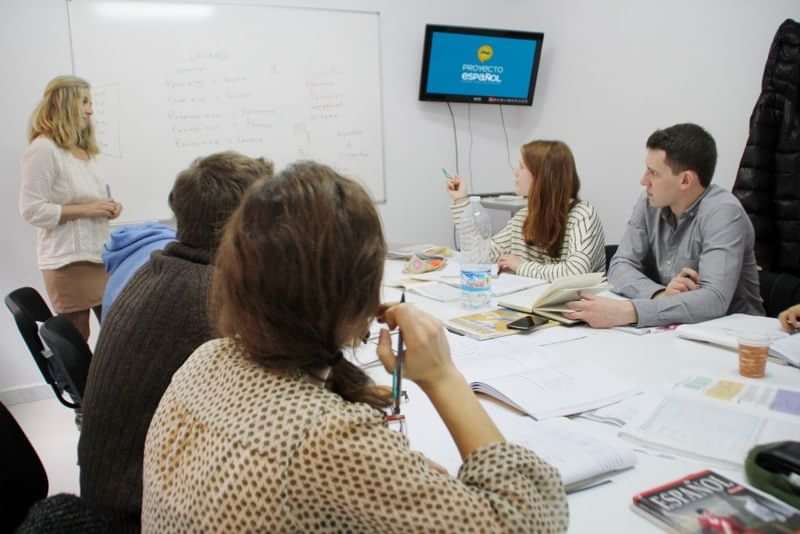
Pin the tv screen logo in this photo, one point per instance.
(482, 73)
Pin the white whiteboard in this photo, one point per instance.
(173, 82)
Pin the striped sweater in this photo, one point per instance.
(582, 251)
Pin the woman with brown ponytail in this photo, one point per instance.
(271, 429)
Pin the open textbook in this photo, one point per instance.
(555, 391)
(550, 300)
(716, 420)
(725, 331)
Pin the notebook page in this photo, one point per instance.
(507, 283)
(578, 455)
(682, 425)
(719, 431)
(724, 331)
(787, 348)
(557, 391)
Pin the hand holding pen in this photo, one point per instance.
(116, 206)
(426, 355)
(455, 186)
(397, 375)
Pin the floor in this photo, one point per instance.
(50, 427)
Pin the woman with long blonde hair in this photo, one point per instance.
(62, 195)
(557, 234)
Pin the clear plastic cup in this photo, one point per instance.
(753, 354)
(476, 285)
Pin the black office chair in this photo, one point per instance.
(610, 251)
(30, 310)
(70, 352)
(23, 480)
(778, 291)
(23, 491)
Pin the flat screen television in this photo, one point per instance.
(479, 65)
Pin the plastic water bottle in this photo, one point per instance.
(474, 234)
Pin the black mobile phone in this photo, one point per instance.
(781, 458)
(526, 323)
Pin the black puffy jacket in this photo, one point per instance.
(768, 181)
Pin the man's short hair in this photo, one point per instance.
(206, 194)
(688, 147)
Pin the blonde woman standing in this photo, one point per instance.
(62, 195)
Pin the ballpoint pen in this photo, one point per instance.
(446, 175)
(397, 376)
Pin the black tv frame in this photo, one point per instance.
(478, 99)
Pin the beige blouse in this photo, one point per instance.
(52, 178)
(236, 448)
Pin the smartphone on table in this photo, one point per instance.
(528, 322)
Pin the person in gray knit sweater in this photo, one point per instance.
(158, 320)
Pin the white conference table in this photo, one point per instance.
(651, 359)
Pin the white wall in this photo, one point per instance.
(611, 73)
(34, 47)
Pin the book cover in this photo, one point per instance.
(485, 325)
(707, 502)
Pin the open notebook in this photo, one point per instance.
(550, 300)
(502, 283)
(556, 391)
(583, 459)
(724, 332)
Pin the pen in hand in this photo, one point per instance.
(397, 376)
(108, 191)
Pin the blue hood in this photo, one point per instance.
(130, 238)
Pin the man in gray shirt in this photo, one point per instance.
(687, 254)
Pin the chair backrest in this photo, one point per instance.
(778, 291)
(610, 251)
(23, 480)
(70, 353)
(29, 310)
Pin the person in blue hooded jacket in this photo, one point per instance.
(128, 248)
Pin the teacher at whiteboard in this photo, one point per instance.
(62, 195)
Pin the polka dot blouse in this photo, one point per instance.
(234, 447)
